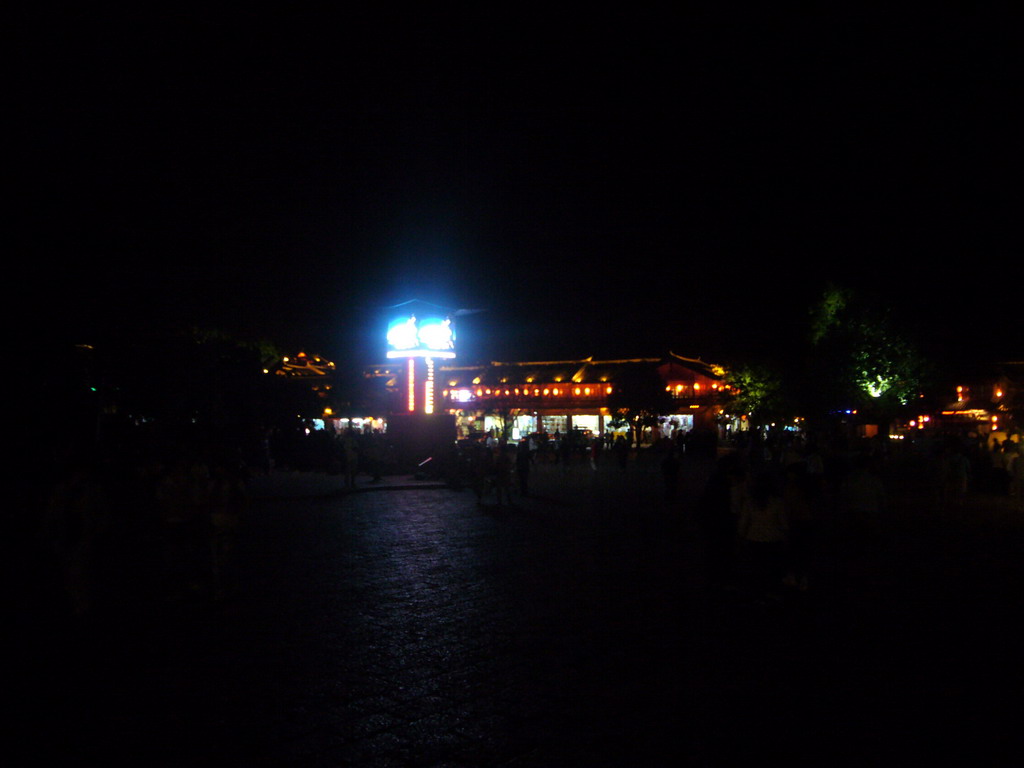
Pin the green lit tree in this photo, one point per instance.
(859, 358)
(758, 389)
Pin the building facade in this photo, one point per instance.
(516, 399)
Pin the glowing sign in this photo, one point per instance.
(402, 334)
(430, 337)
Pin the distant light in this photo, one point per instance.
(412, 386)
(428, 395)
(878, 387)
(461, 395)
(431, 337)
(437, 334)
(402, 333)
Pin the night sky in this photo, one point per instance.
(598, 184)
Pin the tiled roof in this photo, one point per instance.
(567, 371)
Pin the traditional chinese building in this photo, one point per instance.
(988, 406)
(521, 398)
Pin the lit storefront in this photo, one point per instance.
(558, 397)
(421, 381)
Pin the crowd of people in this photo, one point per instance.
(494, 466)
(137, 529)
(757, 517)
(166, 525)
(763, 510)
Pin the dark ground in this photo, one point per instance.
(411, 626)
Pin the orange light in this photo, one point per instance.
(412, 385)
(428, 394)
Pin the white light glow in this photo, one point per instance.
(460, 395)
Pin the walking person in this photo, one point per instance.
(228, 496)
(1016, 471)
(717, 521)
(503, 475)
(955, 473)
(798, 502)
(670, 467)
(524, 458)
(763, 532)
(350, 449)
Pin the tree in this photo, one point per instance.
(759, 391)
(639, 397)
(859, 358)
(505, 414)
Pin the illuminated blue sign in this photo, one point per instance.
(429, 337)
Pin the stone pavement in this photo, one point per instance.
(418, 628)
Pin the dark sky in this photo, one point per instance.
(599, 184)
